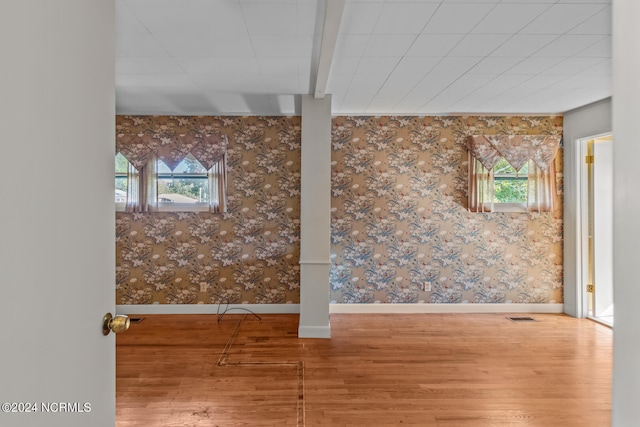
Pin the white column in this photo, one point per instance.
(626, 205)
(315, 227)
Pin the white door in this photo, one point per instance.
(603, 227)
(56, 213)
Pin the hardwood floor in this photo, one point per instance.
(376, 370)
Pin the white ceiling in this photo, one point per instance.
(422, 57)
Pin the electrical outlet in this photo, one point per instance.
(426, 287)
(203, 287)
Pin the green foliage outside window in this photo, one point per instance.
(510, 186)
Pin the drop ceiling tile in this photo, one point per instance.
(198, 44)
(601, 49)
(434, 44)
(531, 66)
(134, 100)
(306, 17)
(345, 65)
(154, 81)
(495, 64)
(270, 18)
(568, 45)
(542, 81)
(498, 85)
(455, 65)
(478, 44)
(192, 103)
(180, 16)
(573, 66)
(148, 66)
(126, 21)
(258, 103)
(457, 91)
(244, 82)
(416, 64)
(493, 2)
(584, 1)
(270, 65)
(368, 82)
(599, 23)
(388, 45)
(560, 18)
(350, 45)
(218, 65)
(601, 69)
(404, 18)
(359, 18)
(509, 18)
(284, 83)
(229, 103)
(275, 46)
(400, 83)
(455, 18)
(377, 65)
(141, 45)
(429, 87)
(361, 90)
(305, 46)
(285, 105)
(580, 81)
(523, 45)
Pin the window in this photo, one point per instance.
(512, 173)
(186, 188)
(155, 187)
(122, 168)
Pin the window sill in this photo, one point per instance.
(510, 207)
(173, 207)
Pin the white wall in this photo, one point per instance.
(590, 120)
(626, 206)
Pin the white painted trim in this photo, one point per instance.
(330, 29)
(446, 308)
(314, 331)
(207, 308)
(314, 262)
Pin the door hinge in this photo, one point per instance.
(591, 288)
(588, 159)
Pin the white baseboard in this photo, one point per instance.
(337, 308)
(314, 331)
(207, 308)
(446, 308)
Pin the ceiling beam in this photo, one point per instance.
(332, 18)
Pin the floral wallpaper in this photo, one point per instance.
(401, 232)
(250, 254)
(399, 220)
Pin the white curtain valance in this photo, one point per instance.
(138, 148)
(515, 149)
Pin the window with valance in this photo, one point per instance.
(530, 158)
(155, 160)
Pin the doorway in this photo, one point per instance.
(597, 212)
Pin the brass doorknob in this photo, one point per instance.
(119, 323)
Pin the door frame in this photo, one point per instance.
(582, 219)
